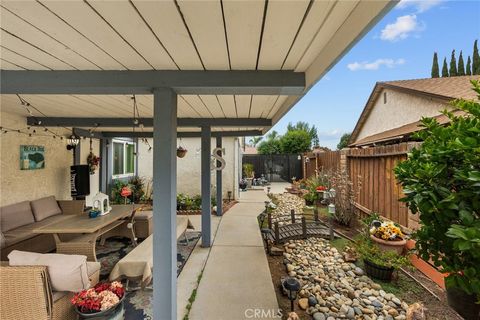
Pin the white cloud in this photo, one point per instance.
(419, 5)
(375, 65)
(401, 28)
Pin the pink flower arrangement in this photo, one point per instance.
(99, 298)
(321, 188)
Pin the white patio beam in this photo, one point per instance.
(144, 81)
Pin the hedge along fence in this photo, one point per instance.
(371, 170)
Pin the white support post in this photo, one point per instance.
(164, 204)
(206, 193)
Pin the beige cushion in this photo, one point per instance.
(3, 242)
(26, 232)
(16, 215)
(92, 267)
(143, 215)
(67, 272)
(45, 207)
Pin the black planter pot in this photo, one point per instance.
(463, 303)
(309, 202)
(378, 272)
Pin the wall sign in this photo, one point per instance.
(32, 157)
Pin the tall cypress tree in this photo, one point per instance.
(453, 65)
(435, 69)
(461, 66)
(444, 68)
(468, 70)
(475, 59)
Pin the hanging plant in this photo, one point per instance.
(93, 162)
(181, 152)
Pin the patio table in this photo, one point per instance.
(88, 230)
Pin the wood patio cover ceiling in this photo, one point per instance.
(303, 36)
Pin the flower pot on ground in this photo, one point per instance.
(378, 272)
(99, 302)
(463, 303)
(379, 264)
(387, 236)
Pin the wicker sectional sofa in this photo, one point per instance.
(17, 222)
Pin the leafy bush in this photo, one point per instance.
(185, 202)
(344, 198)
(248, 170)
(441, 181)
(293, 142)
(135, 183)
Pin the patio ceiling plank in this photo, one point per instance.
(228, 105)
(312, 25)
(166, 22)
(327, 31)
(135, 32)
(197, 104)
(35, 55)
(275, 107)
(8, 65)
(44, 19)
(243, 21)
(28, 33)
(281, 25)
(243, 103)
(260, 103)
(205, 21)
(19, 60)
(81, 17)
(211, 102)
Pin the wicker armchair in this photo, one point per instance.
(27, 295)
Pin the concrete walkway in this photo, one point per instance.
(236, 282)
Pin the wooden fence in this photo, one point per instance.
(371, 172)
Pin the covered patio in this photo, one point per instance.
(207, 69)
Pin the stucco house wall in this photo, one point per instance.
(19, 185)
(400, 109)
(188, 168)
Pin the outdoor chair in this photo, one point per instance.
(27, 293)
(126, 229)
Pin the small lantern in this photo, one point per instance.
(292, 286)
(72, 142)
(331, 208)
(101, 203)
(333, 193)
(299, 157)
(268, 190)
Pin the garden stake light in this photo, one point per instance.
(292, 286)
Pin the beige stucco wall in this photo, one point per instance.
(94, 178)
(401, 108)
(188, 168)
(18, 185)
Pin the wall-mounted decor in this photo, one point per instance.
(32, 157)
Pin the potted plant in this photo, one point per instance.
(379, 264)
(101, 301)
(387, 236)
(310, 198)
(441, 182)
(248, 173)
(181, 152)
(93, 162)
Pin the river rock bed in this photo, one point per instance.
(334, 289)
(285, 203)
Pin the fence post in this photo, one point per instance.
(269, 220)
(304, 228)
(315, 214)
(292, 215)
(277, 233)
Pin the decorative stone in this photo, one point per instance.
(293, 316)
(397, 301)
(303, 303)
(312, 301)
(358, 271)
(393, 312)
(350, 313)
(319, 316)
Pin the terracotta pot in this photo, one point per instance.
(396, 246)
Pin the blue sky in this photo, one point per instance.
(399, 47)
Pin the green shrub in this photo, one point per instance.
(441, 182)
(371, 252)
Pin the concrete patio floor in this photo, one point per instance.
(236, 281)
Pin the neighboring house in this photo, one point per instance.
(394, 108)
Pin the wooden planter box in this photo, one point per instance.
(426, 268)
